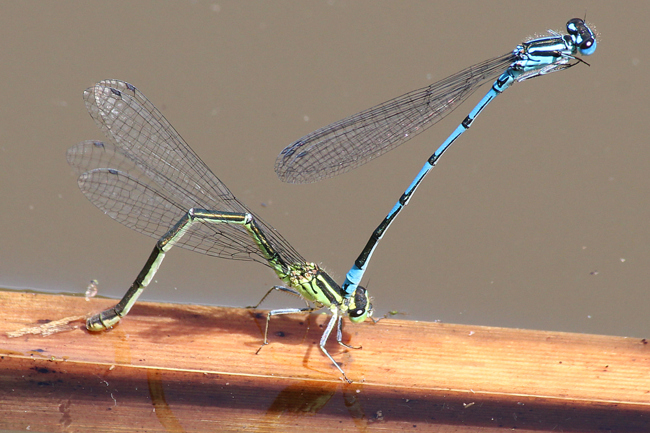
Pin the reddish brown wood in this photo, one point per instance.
(193, 368)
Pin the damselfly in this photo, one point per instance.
(149, 179)
(355, 140)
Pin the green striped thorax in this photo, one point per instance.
(310, 280)
(316, 286)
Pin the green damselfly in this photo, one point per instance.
(149, 179)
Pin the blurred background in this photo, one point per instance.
(536, 218)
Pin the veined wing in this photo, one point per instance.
(156, 177)
(355, 140)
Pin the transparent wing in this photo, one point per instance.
(355, 140)
(147, 177)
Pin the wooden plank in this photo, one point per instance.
(193, 368)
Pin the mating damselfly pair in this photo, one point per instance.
(146, 177)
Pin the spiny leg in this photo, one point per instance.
(323, 340)
(336, 318)
(278, 313)
(290, 291)
(339, 335)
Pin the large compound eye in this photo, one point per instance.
(359, 307)
(582, 35)
(586, 45)
(361, 299)
(573, 26)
